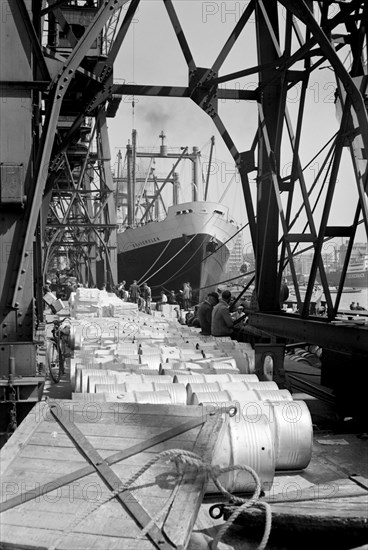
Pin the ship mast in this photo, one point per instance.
(195, 171)
(131, 177)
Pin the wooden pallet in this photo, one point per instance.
(58, 475)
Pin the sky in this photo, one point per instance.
(151, 55)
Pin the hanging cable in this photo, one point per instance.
(182, 267)
(171, 259)
(154, 263)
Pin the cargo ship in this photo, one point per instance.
(167, 246)
(356, 275)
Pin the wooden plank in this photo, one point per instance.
(43, 539)
(20, 438)
(108, 410)
(340, 488)
(335, 507)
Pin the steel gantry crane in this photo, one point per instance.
(56, 76)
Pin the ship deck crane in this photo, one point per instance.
(56, 182)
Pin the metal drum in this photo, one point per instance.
(154, 397)
(201, 388)
(201, 398)
(110, 388)
(81, 376)
(247, 444)
(188, 378)
(93, 379)
(242, 362)
(263, 385)
(218, 377)
(292, 429)
(273, 395)
(244, 378)
(240, 387)
(228, 362)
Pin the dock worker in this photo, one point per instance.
(172, 297)
(134, 292)
(222, 323)
(147, 294)
(187, 296)
(205, 313)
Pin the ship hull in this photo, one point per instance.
(192, 245)
(358, 279)
(184, 259)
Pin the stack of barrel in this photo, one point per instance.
(146, 359)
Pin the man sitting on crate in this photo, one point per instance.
(205, 313)
(222, 322)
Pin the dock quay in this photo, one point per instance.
(143, 390)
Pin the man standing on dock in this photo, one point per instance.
(134, 292)
(147, 297)
(222, 322)
(187, 296)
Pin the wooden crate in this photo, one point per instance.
(54, 497)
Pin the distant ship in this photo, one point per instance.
(356, 275)
(192, 243)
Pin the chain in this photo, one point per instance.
(12, 426)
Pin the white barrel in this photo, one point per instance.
(263, 385)
(273, 395)
(188, 378)
(81, 377)
(242, 362)
(139, 386)
(200, 388)
(147, 371)
(99, 379)
(156, 378)
(293, 434)
(110, 388)
(224, 362)
(152, 368)
(238, 388)
(178, 394)
(129, 359)
(246, 444)
(102, 352)
(154, 397)
(201, 398)
(75, 337)
(223, 369)
(245, 377)
(189, 365)
(177, 372)
(127, 349)
(217, 377)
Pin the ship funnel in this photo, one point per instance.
(163, 147)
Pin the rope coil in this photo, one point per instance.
(186, 458)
